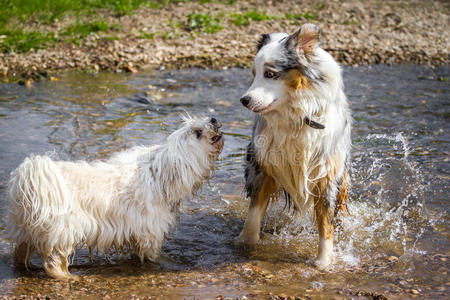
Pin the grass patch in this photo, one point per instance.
(146, 35)
(19, 40)
(126, 6)
(203, 22)
(239, 19)
(302, 16)
(82, 30)
(170, 35)
(78, 30)
(227, 2)
(18, 16)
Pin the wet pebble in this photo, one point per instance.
(415, 292)
(392, 258)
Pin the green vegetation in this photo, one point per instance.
(351, 22)
(302, 16)
(18, 40)
(239, 19)
(16, 17)
(81, 30)
(204, 22)
(146, 35)
(38, 24)
(320, 6)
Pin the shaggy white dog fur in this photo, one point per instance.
(131, 199)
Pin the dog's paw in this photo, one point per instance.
(324, 263)
(74, 277)
(246, 240)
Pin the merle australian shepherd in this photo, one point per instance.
(301, 136)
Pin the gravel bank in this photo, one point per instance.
(355, 32)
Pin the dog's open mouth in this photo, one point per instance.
(264, 108)
(215, 139)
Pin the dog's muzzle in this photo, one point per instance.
(215, 123)
(217, 139)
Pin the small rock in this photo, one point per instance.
(441, 289)
(415, 292)
(223, 103)
(130, 68)
(392, 258)
(403, 283)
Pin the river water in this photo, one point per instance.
(394, 243)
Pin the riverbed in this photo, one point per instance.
(394, 243)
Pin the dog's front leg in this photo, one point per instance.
(326, 228)
(258, 206)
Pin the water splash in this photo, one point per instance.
(386, 206)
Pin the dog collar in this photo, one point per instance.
(313, 124)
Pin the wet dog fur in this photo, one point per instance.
(301, 135)
(129, 200)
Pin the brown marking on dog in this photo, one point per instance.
(342, 196)
(295, 80)
(321, 207)
(324, 223)
(308, 38)
(268, 188)
(253, 71)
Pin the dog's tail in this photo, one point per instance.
(39, 205)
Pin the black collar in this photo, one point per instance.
(313, 124)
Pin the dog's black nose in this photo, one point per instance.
(245, 100)
(215, 123)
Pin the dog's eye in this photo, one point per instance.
(198, 133)
(270, 75)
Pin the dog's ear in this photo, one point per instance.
(305, 39)
(263, 40)
(198, 133)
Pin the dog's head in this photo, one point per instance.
(203, 135)
(285, 64)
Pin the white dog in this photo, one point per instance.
(131, 199)
(301, 137)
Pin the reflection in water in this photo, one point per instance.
(393, 242)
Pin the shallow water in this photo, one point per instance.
(394, 242)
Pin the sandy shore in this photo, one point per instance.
(355, 32)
